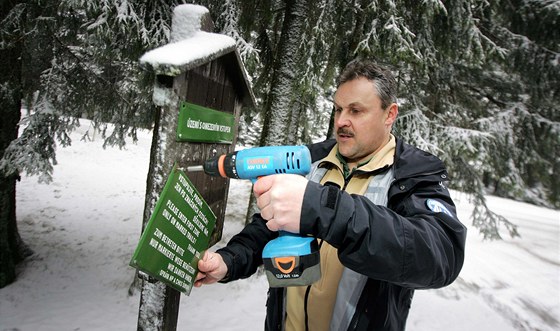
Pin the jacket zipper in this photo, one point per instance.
(305, 303)
(306, 298)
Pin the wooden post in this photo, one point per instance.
(213, 78)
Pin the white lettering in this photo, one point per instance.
(165, 251)
(193, 124)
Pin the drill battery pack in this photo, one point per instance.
(291, 260)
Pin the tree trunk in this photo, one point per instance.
(349, 46)
(277, 110)
(12, 249)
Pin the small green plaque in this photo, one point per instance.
(176, 234)
(201, 124)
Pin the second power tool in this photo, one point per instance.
(290, 259)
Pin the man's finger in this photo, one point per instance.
(267, 213)
(263, 200)
(203, 264)
(272, 225)
(263, 185)
(200, 276)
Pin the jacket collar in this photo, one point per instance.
(381, 159)
(412, 162)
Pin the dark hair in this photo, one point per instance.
(383, 79)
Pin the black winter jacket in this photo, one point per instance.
(406, 245)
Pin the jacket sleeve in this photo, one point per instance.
(407, 244)
(243, 253)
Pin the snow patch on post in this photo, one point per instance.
(163, 96)
(150, 314)
(187, 20)
(189, 46)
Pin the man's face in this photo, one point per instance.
(361, 125)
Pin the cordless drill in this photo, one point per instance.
(289, 260)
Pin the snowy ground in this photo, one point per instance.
(85, 225)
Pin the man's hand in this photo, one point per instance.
(280, 197)
(211, 269)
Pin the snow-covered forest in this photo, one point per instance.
(85, 225)
(478, 85)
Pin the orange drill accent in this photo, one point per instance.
(221, 168)
(289, 261)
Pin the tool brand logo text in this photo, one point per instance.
(258, 163)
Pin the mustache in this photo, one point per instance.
(345, 132)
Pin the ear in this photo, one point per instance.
(392, 113)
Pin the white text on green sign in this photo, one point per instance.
(201, 124)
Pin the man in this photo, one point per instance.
(385, 222)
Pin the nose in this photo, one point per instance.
(341, 119)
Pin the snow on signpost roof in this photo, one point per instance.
(189, 46)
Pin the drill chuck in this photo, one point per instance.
(222, 166)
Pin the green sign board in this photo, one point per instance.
(176, 234)
(201, 124)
